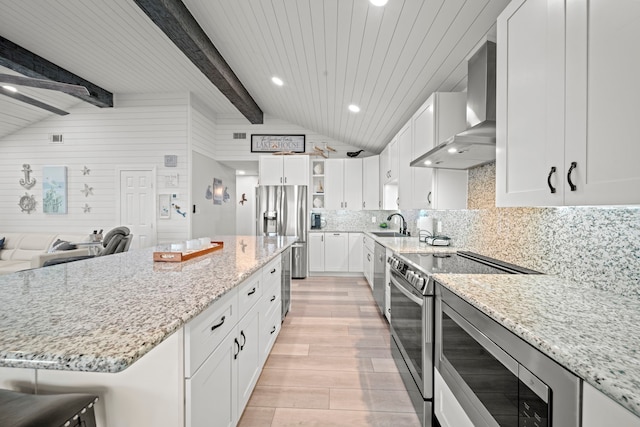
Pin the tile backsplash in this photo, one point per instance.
(598, 246)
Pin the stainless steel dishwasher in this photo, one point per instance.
(379, 255)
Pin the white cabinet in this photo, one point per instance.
(384, 165)
(371, 183)
(284, 170)
(599, 410)
(317, 184)
(567, 103)
(343, 184)
(356, 250)
(447, 409)
(405, 173)
(248, 357)
(440, 117)
(316, 251)
(392, 175)
(368, 261)
(336, 252)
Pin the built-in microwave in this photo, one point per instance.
(499, 379)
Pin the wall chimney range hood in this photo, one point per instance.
(476, 145)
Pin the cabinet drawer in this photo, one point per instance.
(249, 293)
(272, 272)
(269, 331)
(204, 333)
(271, 301)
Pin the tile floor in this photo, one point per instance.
(331, 364)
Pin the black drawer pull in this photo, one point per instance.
(551, 172)
(571, 184)
(273, 271)
(273, 330)
(251, 292)
(244, 340)
(235, 341)
(429, 197)
(273, 298)
(217, 325)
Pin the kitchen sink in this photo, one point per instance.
(389, 234)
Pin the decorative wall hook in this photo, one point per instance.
(27, 182)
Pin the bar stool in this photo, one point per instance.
(46, 410)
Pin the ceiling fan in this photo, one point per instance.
(71, 89)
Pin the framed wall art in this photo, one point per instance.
(54, 189)
(265, 143)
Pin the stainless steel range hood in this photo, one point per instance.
(476, 145)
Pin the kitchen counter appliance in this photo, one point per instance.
(499, 379)
(412, 315)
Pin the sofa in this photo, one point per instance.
(23, 251)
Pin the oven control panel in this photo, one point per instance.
(416, 278)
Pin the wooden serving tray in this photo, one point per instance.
(187, 255)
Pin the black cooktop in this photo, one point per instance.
(462, 263)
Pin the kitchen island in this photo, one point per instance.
(115, 325)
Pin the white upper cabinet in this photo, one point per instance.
(343, 184)
(405, 173)
(567, 103)
(371, 183)
(389, 162)
(284, 170)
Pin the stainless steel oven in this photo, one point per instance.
(498, 378)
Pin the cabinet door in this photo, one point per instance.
(447, 409)
(352, 184)
(368, 266)
(336, 252)
(371, 183)
(316, 251)
(334, 184)
(393, 160)
(356, 250)
(405, 172)
(449, 189)
(296, 170)
(271, 170)
(384, 165)
(423, 130)
(530, 105)
(599, 410)
(602, 102)
(211, 393)
(249, 359)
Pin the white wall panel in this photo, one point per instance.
(139, 131)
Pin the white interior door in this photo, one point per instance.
(137, 205)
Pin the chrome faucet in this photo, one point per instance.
(403, 226)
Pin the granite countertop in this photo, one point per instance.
(593, 333)
(410, 245)
(103, 314)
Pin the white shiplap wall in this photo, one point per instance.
(229, 149)
(139, 131)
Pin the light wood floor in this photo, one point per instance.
(331, 364)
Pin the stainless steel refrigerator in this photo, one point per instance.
(282, 211)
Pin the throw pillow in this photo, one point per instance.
(61, 245)
(2, 242)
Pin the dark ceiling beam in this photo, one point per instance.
(29, 64)
(175, 20)
(31, 101)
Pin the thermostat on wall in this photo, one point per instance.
(170, 161)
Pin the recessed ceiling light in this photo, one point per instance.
(378, 2)
(10, 88)
(241, 172)
(452, 150)
(354, 108)
(427, 162)
(277, 80)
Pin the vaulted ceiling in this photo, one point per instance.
(329, 53)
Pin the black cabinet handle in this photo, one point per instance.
(251, 292)
(217, 325)
(273, 330)
(244, 340)
(429, 197)
(551, 172)
(235, 341)
(571, 184)
(273, 298)
(273, 271)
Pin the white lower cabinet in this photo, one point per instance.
(316, 252)
(248, 357)
(599, 410)
(446, 407)
(336, 252)
(356, 248)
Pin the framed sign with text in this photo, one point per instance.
(263, 143)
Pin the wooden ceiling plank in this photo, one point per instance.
(175, 20)
(31, 101)
(29, 64)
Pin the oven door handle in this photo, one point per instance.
(407, 293)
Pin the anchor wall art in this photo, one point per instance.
(54, 189)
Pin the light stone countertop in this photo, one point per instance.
(103, 314)
(593, 333)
